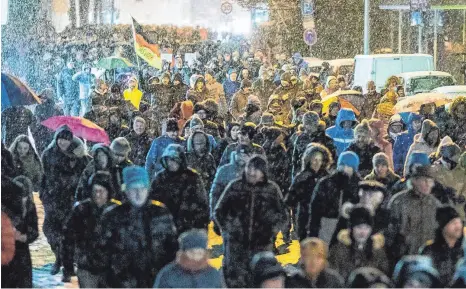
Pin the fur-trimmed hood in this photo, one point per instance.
(378, 240)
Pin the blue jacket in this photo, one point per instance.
(185, 73)
(225, 174)
(342, 138)
(402, 144)
(85, 81)
(230, 88)
(153, 164)
(68, 89)
(174, 276)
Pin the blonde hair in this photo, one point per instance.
(316, 246)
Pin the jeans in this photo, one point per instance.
(88, 280)
(71, 107)
(86, 106)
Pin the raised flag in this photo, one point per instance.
(144, 49)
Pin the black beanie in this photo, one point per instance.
(249, 129)
(259, 163)
(360, 215)
(101, 178)
(445, 214)
(172, 124)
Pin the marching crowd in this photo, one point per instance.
(374, 200)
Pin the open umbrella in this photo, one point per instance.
(80, 127)
(413, 103)
(351, 99)
(16, 93)
(113, 62)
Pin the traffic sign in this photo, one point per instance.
(310, 37)
(226, 7)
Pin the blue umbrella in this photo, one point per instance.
(16, 93)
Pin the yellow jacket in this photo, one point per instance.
(134, 96)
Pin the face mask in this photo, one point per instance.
(394, 135)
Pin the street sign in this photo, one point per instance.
(310, 37)
(226, 8)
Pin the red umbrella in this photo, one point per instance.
(80, 127)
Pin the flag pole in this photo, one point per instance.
(134, 41)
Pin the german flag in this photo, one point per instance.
(147, 51)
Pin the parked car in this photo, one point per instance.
(424, 81)
(452, 90)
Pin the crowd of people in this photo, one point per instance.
(244, 144)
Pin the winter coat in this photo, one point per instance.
(68, 89)
(8, 240)
(326, 200)
(179, 91)
(193, 94)
(29, 165)
(328, 278)
(365, 157)
(15, 121)
(183, 193)
(420, 144)
(204, 165)
(456, 126)
(216, 93)
(443, 257)
(153, 164)
(278, 164)
(252, 114)
(140, 145)
(230, 88)
(384, 145)
(47, 109)
(80, 238)
(299, 197)
(135, 243)
(251, 214)
(389, 181)
(412, 222)
(263, 88)
(238, 103)
(232, 147)
(18, 273)
(303, 140)
(370, 102)
(342, 138)
(175, 276)
(344, 257)
(165, 99)
(85, 81)
(402, 144)
(183, 72)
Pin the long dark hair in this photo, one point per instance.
(14, 146)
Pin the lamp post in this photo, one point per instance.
(366, 27)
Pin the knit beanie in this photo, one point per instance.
(311, 118)
(198, 107)
(265, 266)
(267, 119)
(272, 132)
(373, 186)
(101, 178)
(135, 175)
(196, 121)
(427, 127)
(316, 104)
(249, 129)
(362, 128)
(448, 150)
(418, 158)
(65, 133)
(193, 239)
(172, 125)
(254, 100)
(360, 215)
(245, 83)
(315, 246)
(380, 159)
(120, 145)
(349, 159)
(259, 163)
(444, 215)
(210, 105)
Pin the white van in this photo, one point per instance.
(380, 67)
(424, 81)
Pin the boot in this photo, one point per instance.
(57, 265)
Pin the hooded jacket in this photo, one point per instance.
(140, 145)
(193, 94)
(330, 119)
(165, 97)
(183, 191)
(299, 194)
(420, 144)
(344, 257)
(217, 93)
(263, 88)
(68, 89)
(402, 144)
(85, 81)
(230, 87)
(384, 145)
(29, 165)
(411, 265)
(456, 125)
(232, 147)
(154, 156)
(134, 244)
(175, 276)
(342, 138)
(179, 91)
(205, 165)
(365, 156)
(134, 96)
(238, 103)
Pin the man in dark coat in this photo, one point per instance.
(62, 171)
(80, 232)
(139, 141)
(364, 147)
(263, 87)
(382, 172)
(15, 121)
(199, 157)
(18, 273)
(181, 189)
(371, 99)
(164, 98)
(179, 88)
(120, 148)
(68, 89)
(330, 194)
(250, 213)
(446, 249)
(138, 237)
(312, 132)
